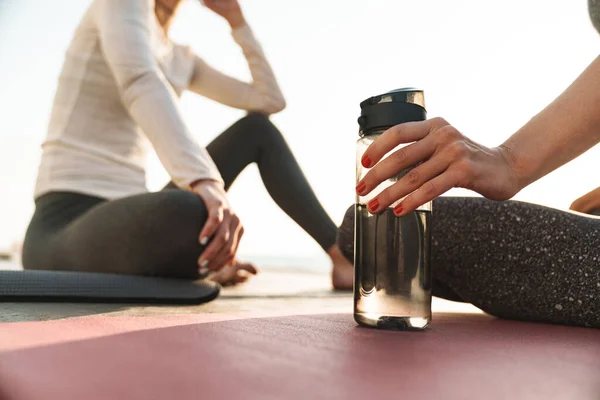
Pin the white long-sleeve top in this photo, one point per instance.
(119, 87)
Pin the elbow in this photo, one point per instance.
(279, 105)
(135, 85)
(273, 105)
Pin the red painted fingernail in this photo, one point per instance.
(398, 209)
(361, 187)
(366, 162)
(373, 204)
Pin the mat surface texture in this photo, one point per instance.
(325, 356)
(284, 335)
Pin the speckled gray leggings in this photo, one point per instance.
(514, 260)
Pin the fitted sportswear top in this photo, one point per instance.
(118, 90)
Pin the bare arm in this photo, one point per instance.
(565, 129)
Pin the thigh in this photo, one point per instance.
(519, 260)
(53, 213)
(154, 234)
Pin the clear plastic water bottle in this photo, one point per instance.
(392, 282)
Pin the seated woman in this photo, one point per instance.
(511, 259)
(118, 88)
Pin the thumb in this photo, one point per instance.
(215, 217)
(209, 193)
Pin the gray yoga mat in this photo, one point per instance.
(59, 286)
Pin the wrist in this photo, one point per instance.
(515, 165)
(236, 21)
(200, 183)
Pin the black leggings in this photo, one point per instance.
(513, 260)
(156, 234)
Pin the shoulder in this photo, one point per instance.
(122, 9)
(181, 65)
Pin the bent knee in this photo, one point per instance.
(256, 118)
(260, 125)
(182, 206)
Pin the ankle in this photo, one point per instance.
(334, 252)
(337, 257)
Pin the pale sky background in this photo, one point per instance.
(487, 67)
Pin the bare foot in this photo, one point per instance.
(342, 275)
(234, 274)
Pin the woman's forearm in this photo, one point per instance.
(568, 127)
(262, 94)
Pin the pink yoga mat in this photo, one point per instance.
(463, 356)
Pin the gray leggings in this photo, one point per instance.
(513, 260)
(156, 234)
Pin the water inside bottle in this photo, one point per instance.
(392, 277)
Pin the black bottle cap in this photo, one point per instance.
(391, 108)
